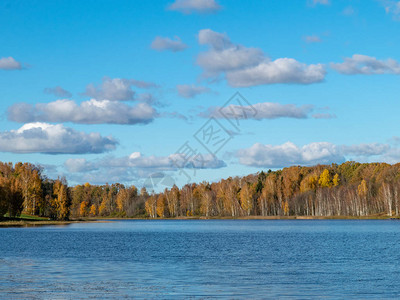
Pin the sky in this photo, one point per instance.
(155, 93)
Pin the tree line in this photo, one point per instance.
(348, 189)
(25, 190)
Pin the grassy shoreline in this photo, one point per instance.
(29, 221)
(371, 217)
(32, 221)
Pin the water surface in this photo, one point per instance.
(202, 259)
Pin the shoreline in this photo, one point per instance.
(34, 223)
(371, 217)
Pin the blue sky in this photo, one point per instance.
(107, 91)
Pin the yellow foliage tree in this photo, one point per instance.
(325, 179)
(61, 200)
(362, 188)
(103, 208)
(93, 210)
(246, 198)
(29, 179)
(121, 199)
(336, 180)
(150, 206)
(309, 183)
(161, 206)
(83, 209)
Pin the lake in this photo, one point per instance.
(232, 259)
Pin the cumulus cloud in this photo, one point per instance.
(116, 89)
(244, 67)
(392, 156)
(191, 91)
(287, 154)
(138, 160)
(366, 149)
(195, 6)
(392, 8)
(53, 139)
(363, 64)
(282, 70)
(259, 111)
(103, 176)
(373, 151)
(394, 140)
(9, 63)
(136, 166)
(87, 112)
(224, 56)
(77, 165)
(174, 161)
(57, 91)
(312, 39)
(165, 43)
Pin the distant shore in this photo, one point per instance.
(32, 222)
(371, 217)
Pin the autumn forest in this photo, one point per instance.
(349, 189)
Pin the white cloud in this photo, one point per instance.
(312, 39)
(392, 156)
(201, 161)
(136, 167)
(53, 139)
(9, 63)
(278, 156)
(58, 91)
(218, 41)
(288, 154)
(87, 112)
(165, 43)
(138, 160)
(195, 6)
(116, 89)
(244, 67)
(77, 165)
(191, 91)
(393, 8)
(394, 140)
(281, 70)
(103, 176)
(259, 111)
(363, 64)
(372, 152)
(365, 149)
(225, 56)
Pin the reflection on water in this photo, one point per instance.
(201, 259)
